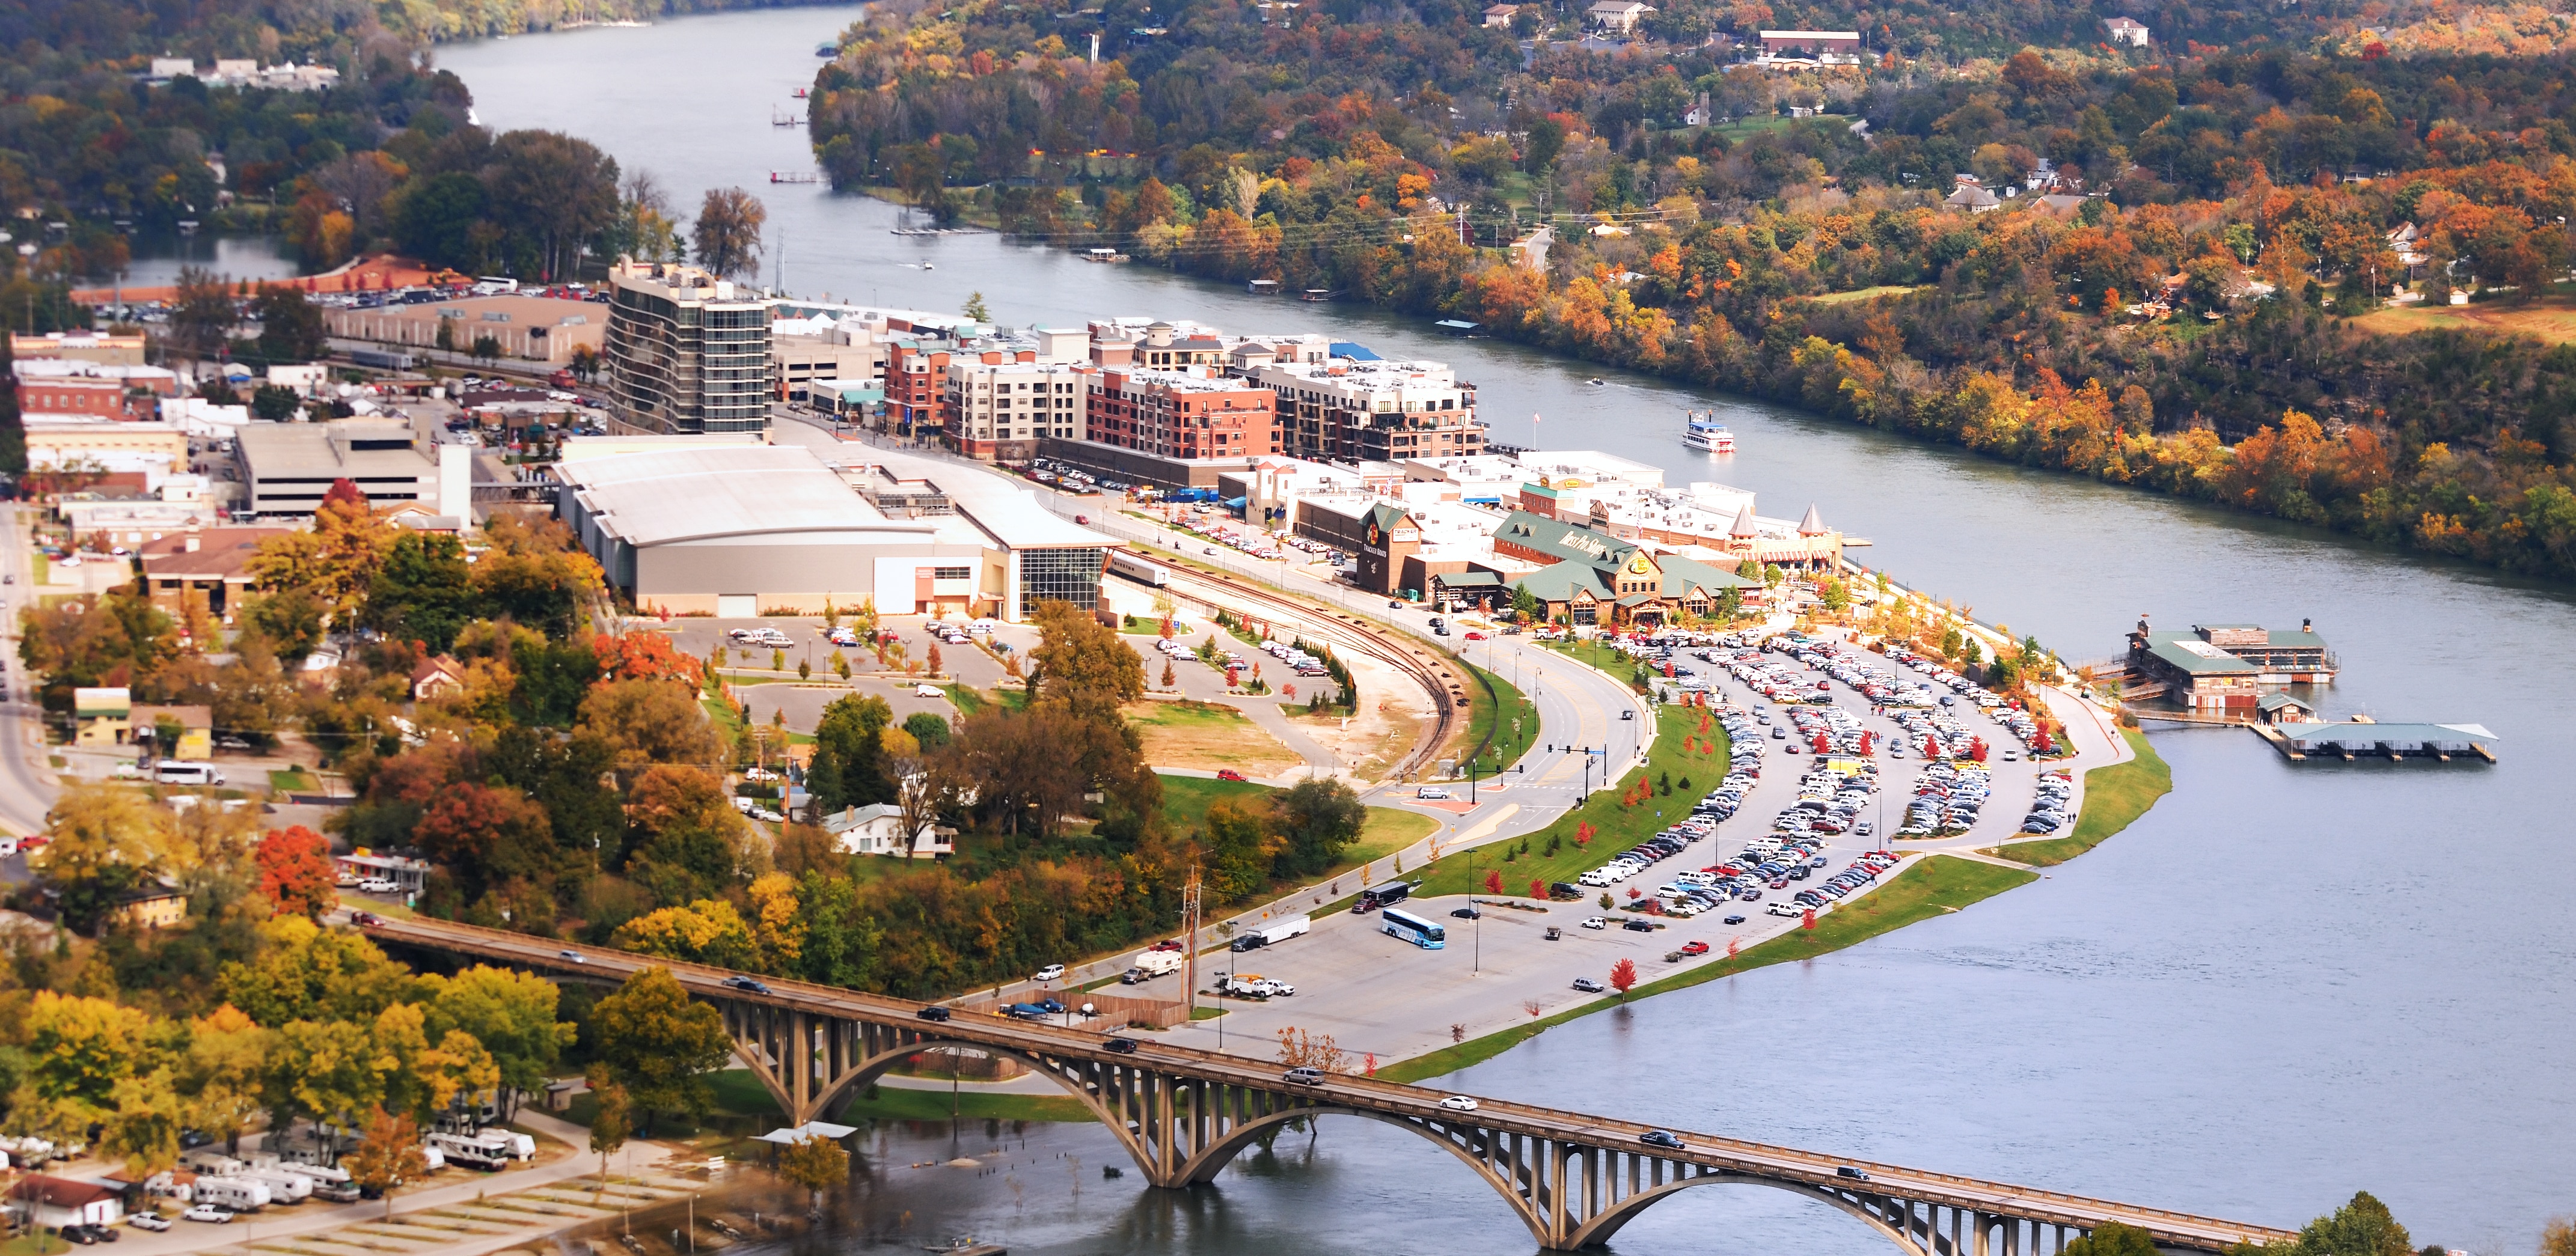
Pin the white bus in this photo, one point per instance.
(1413, 929)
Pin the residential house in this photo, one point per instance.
(55, 1202)
(1621, 16)
(2127, 31)
(102, 718)
(195, 742)
(1974, 199)
(1500, 15)
(878, 830)
(151, 906)
(435, 678)
(203, 568)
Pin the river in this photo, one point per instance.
(2285, 983)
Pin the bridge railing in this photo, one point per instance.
(1502, 1116)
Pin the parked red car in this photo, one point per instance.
(1228, 774)
(1694, 948)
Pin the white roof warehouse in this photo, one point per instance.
(739, 530)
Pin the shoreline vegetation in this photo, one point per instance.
(2181, 305)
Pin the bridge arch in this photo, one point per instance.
(1204, 1164)
(1597, 1229)
(873, 1067)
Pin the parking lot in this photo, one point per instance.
(803, 702)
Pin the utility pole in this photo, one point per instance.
(1190, 922)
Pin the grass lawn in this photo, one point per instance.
(1507, 718)
(1387, 830)
(2113, 797)
(1932, 887)
(1208, 736)
(293, 781)
(1186, 799)
(2551, 320)
(1616, 825)
(1862, 294)
(889, 1104)
(44, 568)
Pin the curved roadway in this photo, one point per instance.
(27, 789)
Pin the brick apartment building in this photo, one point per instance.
(1181, 414)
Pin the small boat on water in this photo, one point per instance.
(1708, 435)
(1597, 382)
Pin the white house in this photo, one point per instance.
(1974, 199)
(1617, 15)
(1500, 14)
(878, 830)
(2127, 31)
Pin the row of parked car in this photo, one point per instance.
(2048, 805)
(1947, 799)
(1304, 663)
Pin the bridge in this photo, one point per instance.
(1184, 1114)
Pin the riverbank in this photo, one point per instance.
(2114, 798)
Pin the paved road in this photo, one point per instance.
(27, 788)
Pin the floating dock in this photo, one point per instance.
(2369, 739)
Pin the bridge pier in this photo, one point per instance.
(1573, 1181)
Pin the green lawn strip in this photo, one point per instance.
(1616, 827)
(890, 1104)
(293, 781)
(1932, 887)
(2114, 796)
(1504, 722)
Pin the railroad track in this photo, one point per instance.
(1443, 681)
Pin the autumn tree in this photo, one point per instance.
(657, 1043)
(1083, 665)
(295, 871)
(220, 1074)
(727, 235)
(1300, 1049)
(683, 841)
(1622, 976)
(485, 836)
(612, 1122)
(335, 562)
(104, 839)
(511, 1015)
(649, 722)
(389, 1156)
(816, 1163)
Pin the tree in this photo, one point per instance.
(848, 769)
(1622, 976)
(202, 313)
(220, 1074)
(487, 350)
(1171, 678)
(440, 221)
(684, 841)
(273, 404)
(1083, 665)
(104, 839)
(645, 722)
(290, 327)
(612, 1123)
(512, 1015)
(1320, 817)
(335, 562)
(327, 1070)
(929, 729)
(303, 971)
(1494, 882)
(2114, 1239)
(655, 1042)
(2558, 1238)
(816, 1163)
(727, 236)
(143, 1124)
(423, 591)
(295, 872)
(2363, 1227)
(389, 1157)
(554, 190)
(975, 308)
(485, 835)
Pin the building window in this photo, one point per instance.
(1065, 575)
(952, 573)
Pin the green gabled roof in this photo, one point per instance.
(1469, 579)
(1559, 583)
(1681, 573)
(1565, 542)
(2275, 701)
(2292, 638)
(2185, 650)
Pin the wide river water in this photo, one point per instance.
(2286, 983)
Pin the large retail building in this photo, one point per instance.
(739, 530)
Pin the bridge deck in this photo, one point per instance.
(1763, 1161)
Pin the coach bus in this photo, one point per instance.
(1413, 929)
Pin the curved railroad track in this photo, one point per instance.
(1443, 681)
